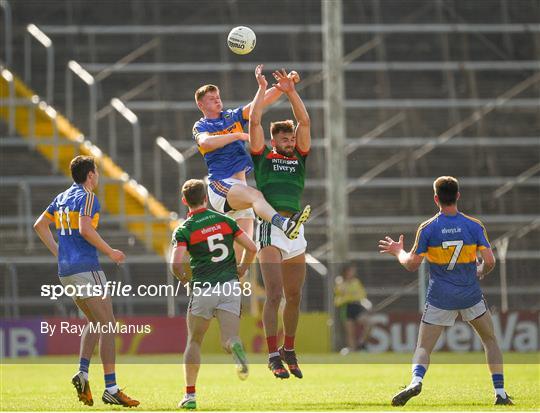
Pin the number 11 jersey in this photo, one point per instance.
(75, 254)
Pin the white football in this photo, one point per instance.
(241, 40)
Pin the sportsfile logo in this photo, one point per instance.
(451, 230)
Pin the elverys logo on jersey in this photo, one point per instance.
(213, 228)
(284, 165)
(451, 230)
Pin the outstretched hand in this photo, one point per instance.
(284, 83)
(389, 246)
(261, 80)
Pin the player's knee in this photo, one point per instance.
(255, 194)
(273, 298)
(293, 298)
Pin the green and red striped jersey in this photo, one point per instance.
(209, 239)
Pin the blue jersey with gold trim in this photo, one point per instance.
(224, 162)
(75, 254)
(450, 244)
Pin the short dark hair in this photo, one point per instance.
(281, 126)
(203, 90)
(194, 191)
(80, 166)
(446, 188)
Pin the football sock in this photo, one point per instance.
(271, 341)
(289, 343)
(110, 383)
(190, 389)
(418, 372)
(279, 221)
(84, 365)
(498, 384)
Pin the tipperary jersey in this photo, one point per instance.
(450, 244)
(224, 162)
(280, 178)
(209, 239)
(75, 254)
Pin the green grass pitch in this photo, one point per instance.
(356, 382)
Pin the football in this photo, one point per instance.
(241, 40)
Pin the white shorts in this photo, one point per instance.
(87, 280)
(217, 195)
(439, 317)
(268, 234)
(204, 301)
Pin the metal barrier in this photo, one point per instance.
(33, 31)
(88, 79)
(128, 115)
(8, 77)
(8, 30)
(164, 145)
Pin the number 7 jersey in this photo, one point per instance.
(450, 244)
(209, 239)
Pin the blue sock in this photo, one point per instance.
(279, 221)
(110, 383)
(418, 373)
(84, 365)
(498, 384)
(498, 381)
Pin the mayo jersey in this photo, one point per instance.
(450, 244)
(209, 238)
(224, 162)
(280, 179)
(75, 254)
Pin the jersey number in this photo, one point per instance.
(458, 246)
(214, 245)
(61, 212)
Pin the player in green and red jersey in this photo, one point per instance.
(280, 173)
(215, 289)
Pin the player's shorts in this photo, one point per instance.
(440, 317)
(225, 296)
(351, 311)
(217, 195)
(268, 234)
(87, 280)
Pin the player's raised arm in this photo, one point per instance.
(409, 260)
(256, 133)
(303, 128)
(42, 227)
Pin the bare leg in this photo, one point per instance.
(102, 311)
(229, 326)
(88, 339)
(294, 274)
(246, 224)
(427, 338)
(484, 327)
(365, 322)
(350, 330)
(270, 261)
(244, 197)
(197, 327)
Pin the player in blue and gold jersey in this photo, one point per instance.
(75, 213)
(221, 140)
(450, 241)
